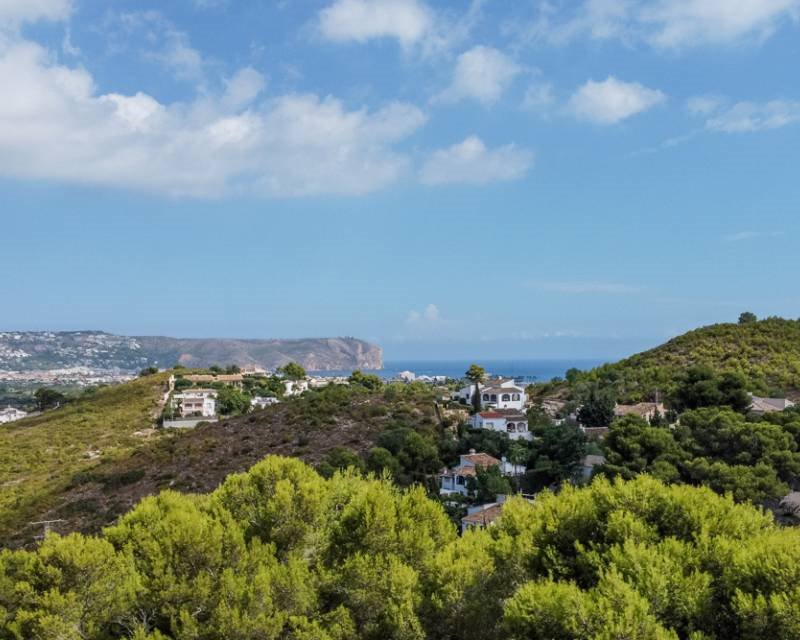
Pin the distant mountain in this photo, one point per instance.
(36, 350)
(766, 353)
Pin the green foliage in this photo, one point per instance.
(48, 399)
(488, 484)
(766, 353)
(475, 373)
(292, 371)
(556, 454)
(148, 371)
(366, 380)
(719, 448)
(597, 408)
(39, 456)
(702, 387)
(747, 317)
(280, 553)
(232, 401)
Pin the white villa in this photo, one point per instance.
(10, 414)
(497, 393)
(194, 402)
(455, 480)
(260, 402)
(512, 422)
(295, 387)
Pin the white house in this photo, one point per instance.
(454, 480)
(295, 387)
(260, 402)
(509, 421)
(194, 402)
(406, 376)
(500, 393)
(10, 414)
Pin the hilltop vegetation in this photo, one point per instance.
(330, 427)
(39, 456)
(765, 353)
(279, 552)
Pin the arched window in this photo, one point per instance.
(506, 397)
(522, 427)
(486, 397)
(494, 398)
(511, 428)
(515, 396)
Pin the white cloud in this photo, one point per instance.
(587, 287)
(612, 100)
(668, 24)
(704, 105)
(472, 162)
(538, 97)
(360, 20)
(482, 74)
(429, 317)
(746, 117)
(15, 12)
(55, 125)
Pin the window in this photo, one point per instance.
(515, 396)
(506, 397)
(511, 428)
(494, 398)
(486, 397)
(522, 427)
(460, 480)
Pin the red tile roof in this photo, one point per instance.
(490, 414)
(485, 517)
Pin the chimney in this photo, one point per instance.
(472, 452)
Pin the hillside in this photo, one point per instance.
(40, 455)
(90, 494)
(43, 350)
(766, 353)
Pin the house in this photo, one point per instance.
(253, 370)
(455, 480)
(646, 410)
(406, 376)
(295, 387)
(509, 421)
(197, 402)
(588, 463)
(499, 393)
(260, 402)
(483, 515)
(761, 405)
(10, 414)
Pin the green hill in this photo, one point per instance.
(766, 353)
(40, 455)
(46, 472)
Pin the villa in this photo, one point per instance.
(197, 402)
(496, 393)
(455, 480)
(10, 414)
(512, 422)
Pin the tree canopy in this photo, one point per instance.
(279, 552)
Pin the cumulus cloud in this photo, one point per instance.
(55, 125)
(427, 318)
(15, 12)
(612, 100)
(472, 162)
(482, 74)
(667, 24)
(747, 117)
(360, 20)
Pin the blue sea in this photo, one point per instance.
(524, 370)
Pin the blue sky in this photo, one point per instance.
(450, 180)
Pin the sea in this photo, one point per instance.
(522, 370)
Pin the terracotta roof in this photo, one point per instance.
(490, 414)
(485, 517)
(481, 459)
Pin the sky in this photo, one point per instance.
(472, 179)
